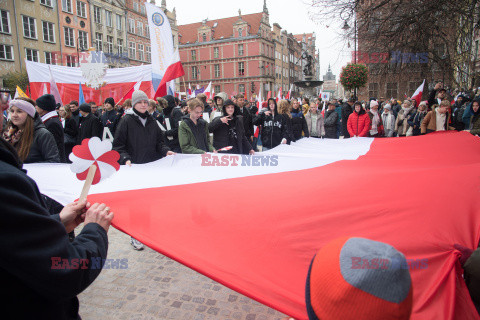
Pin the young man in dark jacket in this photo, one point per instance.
(247, 117)
(347, 110)
(299, 124)
(46, 110)
(110, 116)
(228, 130)
(41, 271)
(330, 121)
(90, 126)
(173, 115)
(274, 127)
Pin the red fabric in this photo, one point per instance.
(358, 125)
(419, 194)
(173, 71)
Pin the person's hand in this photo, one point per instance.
(438, 86)
(224, 120)
(171, 153)
(251, 152)
(99, 213)
(129, 163)
(73, 214)
(267, 113)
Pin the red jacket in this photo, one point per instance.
(358, 124)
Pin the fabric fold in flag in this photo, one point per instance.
(174, 71)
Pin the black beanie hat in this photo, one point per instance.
(46, 102)
(111, 101)
(85, 107)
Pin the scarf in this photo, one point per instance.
(441, 118)
(141, 115)
(387, 121)
(375, 122)
(49, 115)
(12, 136)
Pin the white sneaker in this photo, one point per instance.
(137, 245)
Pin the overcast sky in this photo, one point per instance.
(291, 15)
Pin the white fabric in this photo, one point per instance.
(441, 118)
(59, 182)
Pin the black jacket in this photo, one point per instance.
(139, 143)
(221, 135)
(299, 124)
(415, 121)
(174, 115)
(247, 122)
(274, 129)
(56, 129)
(44, 147)
(90, 126)
(330, 124)
(32, 288)
(110, 119)
(71, 128)
(347, 110)
(288, 128)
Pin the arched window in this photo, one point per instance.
(204, 37)
(240, 32)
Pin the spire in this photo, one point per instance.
(265, 6)
(164, 4)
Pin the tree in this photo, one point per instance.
(441, 30)
(354, 76)
(14, 79)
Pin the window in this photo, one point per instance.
(215, 52)
(32, 55)
(391, 90)
(140, 28)
(240, 32)
(6, 52)
(50, 58)
(29, 27)
(217, 70)
(194, 72)
(241, 88)
(132, 50)
(120, 46)
(135, 6)
(69, 37)
(119, 22)
(82, 40)
(97, 14)
(109, 44)
(217, 89)
(142, 9)
(240, 49)
(48, 31)
(67, 6)
(81, 9)
(147, 31)
(241, 68)
(108, 18)
(149, 54)
(98, 41)
(47, 3)
(70, 61)
(204, 37)
(140, 52)
(373, 90)
(5, 21)
(194, 55)
(131, 26)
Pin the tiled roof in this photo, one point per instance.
(223, 29)
(299, 37)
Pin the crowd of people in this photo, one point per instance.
(145, 130)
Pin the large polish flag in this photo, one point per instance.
(116, 82)
(419, 194)
(174, 71)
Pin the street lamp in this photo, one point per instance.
(345, 16)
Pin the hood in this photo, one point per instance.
(171, 104)
(222, 95)
(470, 107)
(229, 102)
(268, 105)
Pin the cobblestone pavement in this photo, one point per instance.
(156, 287)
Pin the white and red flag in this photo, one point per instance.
(129, 93)
(417, 96)
(208, 90)
(279, 95)
(263, 249)
(289, 94)
(174, 71)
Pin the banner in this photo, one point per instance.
(161, 42)
(113, 83)
(408, 192)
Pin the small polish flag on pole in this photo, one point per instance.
(279, 96)
(208, 90)
(417, 96)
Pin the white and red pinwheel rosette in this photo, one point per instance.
(94, 152)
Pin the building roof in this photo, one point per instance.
(299, 37)
(223, 29)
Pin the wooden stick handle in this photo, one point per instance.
(88, 182)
